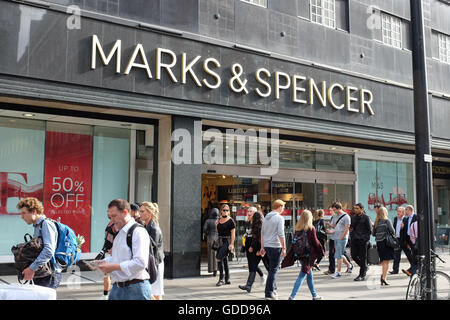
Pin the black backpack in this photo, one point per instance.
(300, 244)
(151, 268)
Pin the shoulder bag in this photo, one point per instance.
(391, 240)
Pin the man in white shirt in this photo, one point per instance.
(127, 267)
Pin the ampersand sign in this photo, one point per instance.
(236, 71)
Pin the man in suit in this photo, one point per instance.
(398, 220)
(405, 239)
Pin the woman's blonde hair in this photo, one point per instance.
(305, 221)
(153, 209)
(318, 213)
(382, 213)
(223, 207)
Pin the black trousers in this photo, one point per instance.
(359, 254)
(253, 263)
(397, 257)
(322, 242)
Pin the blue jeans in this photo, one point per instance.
(274, 259)
(51, 281)
(137, 291)
(310, 280)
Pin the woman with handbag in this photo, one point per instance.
(253, 247)
(210, 230)
(382, 230)
(226, 229)
(319, 225)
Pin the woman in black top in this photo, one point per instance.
(253, 255)
(319, 225)
(382, 227)
(226, 229)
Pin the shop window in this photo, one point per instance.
(21, 175)
(144, 164)
(388, 183)
(334, 161)
(110, 179)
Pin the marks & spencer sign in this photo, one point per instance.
(269, 83)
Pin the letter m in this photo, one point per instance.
(96, 46)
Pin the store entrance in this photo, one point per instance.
(299, 190)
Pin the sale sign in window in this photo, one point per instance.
(68, 177)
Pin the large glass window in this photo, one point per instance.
(21, 175)
(388, 183)
(74, 169)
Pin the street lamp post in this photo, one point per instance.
(424, 184)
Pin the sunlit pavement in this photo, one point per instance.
(204, 287)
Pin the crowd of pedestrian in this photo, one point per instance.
(264, 240)
(127, 251)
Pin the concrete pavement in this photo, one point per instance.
(89, 285)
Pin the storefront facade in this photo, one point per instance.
(90, 98)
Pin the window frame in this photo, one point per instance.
(445, 58)
(391, 31)
(256, 4)
(322, 14)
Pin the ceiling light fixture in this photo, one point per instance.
(28, 115)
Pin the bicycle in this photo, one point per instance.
(417, 283)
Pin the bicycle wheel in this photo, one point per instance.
(413, 292)
(442, 286)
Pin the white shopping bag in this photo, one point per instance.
(19, 291)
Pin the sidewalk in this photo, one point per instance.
(89, 285)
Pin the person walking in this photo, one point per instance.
(273, 245)
(149, 213)
(340, 232)
(210, 230)
(398, 226)
(305, 224)
(413, 235)
(360, 230)
(110, 234)
(127, 265)
(253, 247)
(410, 217)
(226, 229)
(32, 212)
(319, 225)
(382, 227)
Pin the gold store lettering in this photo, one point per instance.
(303, 90)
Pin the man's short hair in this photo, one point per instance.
(31, 204)
(360, 205)
(134, 207)
(337, 205)
(278, 203)
(410, 207)
(120, 204)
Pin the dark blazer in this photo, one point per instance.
(155, 233)
(404, 238)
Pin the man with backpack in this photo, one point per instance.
(127, 264)
(32, 212)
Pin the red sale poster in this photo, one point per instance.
(67, 185)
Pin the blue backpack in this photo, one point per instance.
(66, 253)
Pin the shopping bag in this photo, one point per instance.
(372, 255)
(19, 291)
